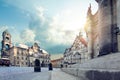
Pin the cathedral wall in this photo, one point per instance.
(118, 21)
(104, 24)
(118, 13)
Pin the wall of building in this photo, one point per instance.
(57, 62)
(118, 22)
(105, 67)
(21, 56)
(77, 53)
(102, 68)
(118, 13)
(104, 24)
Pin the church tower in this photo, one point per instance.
(6, 43)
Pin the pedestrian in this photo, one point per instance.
(66, 65)
(50, 66)
(61, 65)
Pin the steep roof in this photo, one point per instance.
(83, 41)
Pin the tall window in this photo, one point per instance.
(7, 46)
(17, 57)
(7, 38)
(17, 62)
(22, 58)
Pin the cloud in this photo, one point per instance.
(48, 37)
(14, 33)
(54, 33)
(3, 28)
(38, 24)
(28, 36)
(25, 36)
(64, 27)
(57, 33)
(40, 13)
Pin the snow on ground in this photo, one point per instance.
(23, 73)
(27, 73)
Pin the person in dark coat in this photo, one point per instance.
(61, 66)
(50, 66)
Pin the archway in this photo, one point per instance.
(37, 67)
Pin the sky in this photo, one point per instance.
(53, 24)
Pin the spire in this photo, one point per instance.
(89, 12)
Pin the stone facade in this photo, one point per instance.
(57, 62)
(108, 26)
(78, 51)
(105, 27)
(18, 56)
(118, 21)
(108, 40)
(42, 55)
(22, 56)
(102, 28)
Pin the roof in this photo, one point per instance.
(56, 60)
(44, 51)
(83, 41)
(23, 46)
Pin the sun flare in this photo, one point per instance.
(70, 20)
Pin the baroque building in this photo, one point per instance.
(42, 55)
(57, 62)
(77, 53)
(23, 55)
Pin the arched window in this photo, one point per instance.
(7, 46)
(78, 55)
(7, 38)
